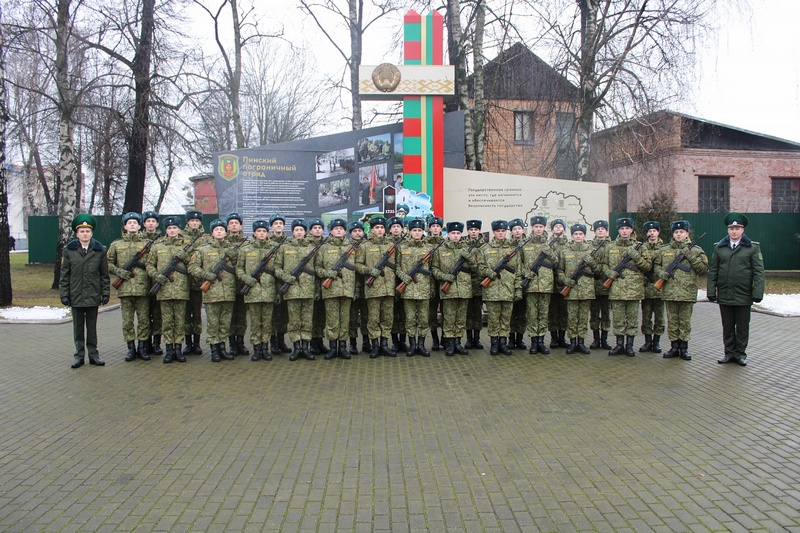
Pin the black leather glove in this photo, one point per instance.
(712, 298)
(756, 300)
(104, 300)
(65, 300)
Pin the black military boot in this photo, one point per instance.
(256, 353)
(629, 351)
(196, 348)
(240, 347)
(554, 339)
(534, 346)
(674, 351)
(435, 346)
(421, 347)
(685, 351)
(223, 352)
(265, 355)
(573, 343)
(412, 346)
(543, 349)
(234, 348)
(656, 348)
(295, 351)
(401, 342)
(595, 340)
(505, 349)
(449, 346)
(131, 355)
(520, 345)
(316, 346)
(494, 345)
(179, 357)
(581, 347)
(648, 343)
(353, 346)
(189, 346)
(620, 347)
(155, 345)
(333, 351)
(469, 340)
(343, 353)
(282, 343)
(141, 351)
(215, 357)
(305, 351)
(376, 349)
(476, 339)
(604, 340)
(457, 346)
(366, 345)
(385, 349)
(170, 355)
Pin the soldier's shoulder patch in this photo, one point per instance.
(289, 252)
(213, 254)
(161, 250)
(445, 254)
(251, 254)
(491, 252)
(569, 256)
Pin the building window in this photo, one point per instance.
(786, 195)
(619, 199)
(523, 127)
(713, 194)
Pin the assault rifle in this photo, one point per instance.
(342, 263)
(219, 267)
(301, 267)
(419, 268)
(503, 263)
(624, 263)
(459, 266)
(135, 261)
(262, 266)
(676, 263)
(540, 262)
(173, 267)
(384, 262)
(581, 269)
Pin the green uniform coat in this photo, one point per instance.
(203, 260)
(79, 280)
(739, 279)
(160, 256)
(682, 286)
(119, 253)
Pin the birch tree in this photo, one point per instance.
(6, 293)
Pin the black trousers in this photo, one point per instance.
(84, 331)
(735, 329)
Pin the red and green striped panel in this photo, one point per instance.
(423, 116)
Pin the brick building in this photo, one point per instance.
(708, 167)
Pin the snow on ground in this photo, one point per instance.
(38, 313)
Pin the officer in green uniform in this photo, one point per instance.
(417, 294)
(652, 304)
(680, 287)
(600, 308)
(280, 315)
(539, 284)
(456, 298)
(581, 290)
(194, 308)
(626, 291)
(239, 319)
(395, 229)
(358, 309)
(174, 291)
(475, 305)
(150, 221)
(504, 289)
(316, 229)
(736, 281)
(518, 312)
(133, 293)
(339, 295)
(435, 226)
(557, 318)
(221, 294)
(260, 297)
(84, 286)
(301, 290)
(379, 295)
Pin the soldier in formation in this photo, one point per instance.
(150, 222)
(652, 303)
(234, 237)
(194, 234)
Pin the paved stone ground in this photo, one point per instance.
(470, 443)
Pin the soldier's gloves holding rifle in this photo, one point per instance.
(209, 276)
(466, 254)
(232, 254)
(65, 301)
(124, 274)
(663, 275)
(250, 281)
(405, 278)
(448, 278)
(612, 274)
(330, 273)
(570, 282)
(374, 272)
(161, 279)
(529, 274)
(493, 275)
(590, 262)
(286, 278)
(634, 254)
(182, 255)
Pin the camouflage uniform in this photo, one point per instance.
(379, 297)
(339, 295)
(417, 295)
(260, 298)
(280, 314)
(600, 307)
(156, 328)
(239, 317)
(436, 300)
(581, 293)
(519, 318)
(398, 312)
(475, 304)
(358, 310)
(652, 304)
(502, 292)
(133, 293)
(299, 297)
(174, 293)
(680, 291)
(194, 308)
(219, 298)
(318, 320)
(626, 292)
(456, 299)
(539, 291)
(557, 316)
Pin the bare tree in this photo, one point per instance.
(6, 293)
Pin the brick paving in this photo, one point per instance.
(469, 443)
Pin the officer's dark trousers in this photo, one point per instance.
(735, 329)
(84, 330)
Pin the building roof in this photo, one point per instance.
(519, 74)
